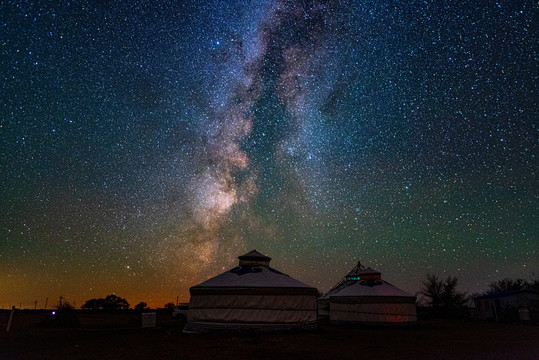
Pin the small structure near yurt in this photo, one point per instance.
(362, 297)
(509, 305)
(251, 296)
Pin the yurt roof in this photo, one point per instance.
(252, 276)
(360, 270)
(361, 281)
(254, 255)
(370, 288)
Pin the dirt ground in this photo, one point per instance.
(119, 336)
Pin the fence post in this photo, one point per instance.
(10, 318)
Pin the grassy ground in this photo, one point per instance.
(119, 336)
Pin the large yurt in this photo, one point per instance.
(362, 297)
(251, 296)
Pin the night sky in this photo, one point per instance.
(144, 145)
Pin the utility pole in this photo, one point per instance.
(35, 304)
(46, 301)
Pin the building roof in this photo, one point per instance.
(500, 294)
(370, 288)
(254, 255)
(361, 281)
(252, 275)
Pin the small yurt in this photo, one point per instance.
(362, 297)
(251, 296)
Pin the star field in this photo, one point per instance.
(145, 145)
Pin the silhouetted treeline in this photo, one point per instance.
(508, 284)
(109, 303)
(141, 306)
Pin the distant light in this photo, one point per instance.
(54, 312)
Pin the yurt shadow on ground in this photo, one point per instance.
(251, 296)
(362, 297)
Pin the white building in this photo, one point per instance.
(251, 296)
(362, 297)
(503, 304)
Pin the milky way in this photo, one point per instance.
(144, 146)
(292, 33)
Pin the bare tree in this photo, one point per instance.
(443, 297)
(432, 289)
